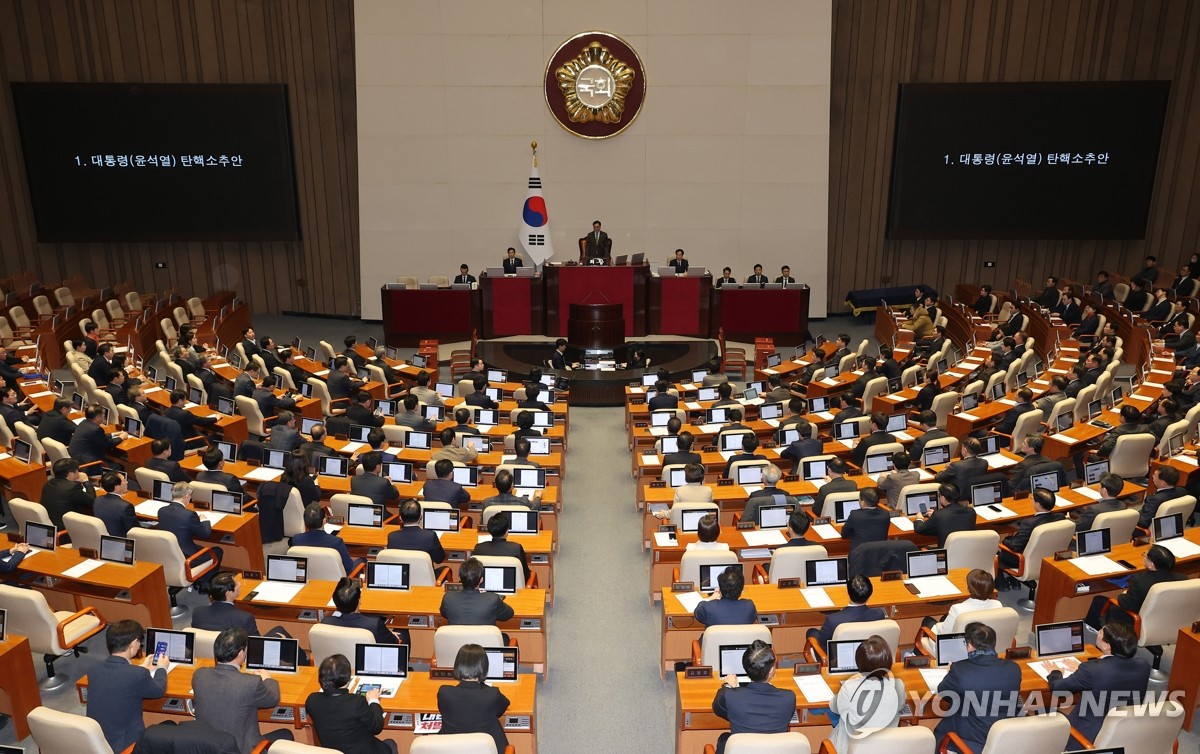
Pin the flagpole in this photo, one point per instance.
(537, 268)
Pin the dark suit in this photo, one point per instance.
(373, 623)
(511, 265)
(859, 453)
(504, 548)
(766, 496)
(243, 385)
(480, 399)
(801, 449)
(415, 421)
(1020, 538)
(221, 478)
(380, 490)
(56, 426)
(558, 361)
(995, 680)
(101, 370)
(1088, 513)
(171, 468)
(115, 693)
(1152, 502)
(229, 700)
(680, 266)
(663, 401)
(918, 447)
(474, 608)
(185, 525)
(416, 538)
(222, 615)
(726, 612)
(366, 417)
(759, 279)
(284, 437)
(866, 525)
(755, 708)
(1103, 675)
(90, 443)
(116, 513)
(1020, 472)
(62, 495)
(1087, 327)
(963, 472)
(830, 487)
(1009, 422)
(1133, 428)
(189, 737)
(597, 246)
(322, 538)
(1159, 312)
(473, 707)
(347, 722)
(342, 386)
(848, 614)
(681, 457)
(719, 282)
(269, 403)
(946, 521)
(188, 421)
(446, 491)
(1139, 586)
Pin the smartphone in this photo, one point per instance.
(364, 688)
(924, 508)
(160, 651)
(1128, 566)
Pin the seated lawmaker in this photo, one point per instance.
(444, 488)
(500, 545)
(412, 536)
(223, 591)
(346, 596)
(472, 607)
(726, 607)
(859, 589)
(314, 535)
(1117, 678)
(758, 707)
(679, 265)
(749, 445)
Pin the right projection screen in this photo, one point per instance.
(1025, 160)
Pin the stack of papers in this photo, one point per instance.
(150, 508)
(264, 474)
(353, 447)
(751, 488)
(814, 688)
(1007, 401)
(993, 512)
(1180, 547)
(211, 517)
(764, 538)
(828, 382)
(710, 429)
(826, 415)
(1060, 501)
(902, 436)
(663, 539)
(637, 390)
(79, 569)
(816, 596)
(903, 523)
(1064, 438)
(934, 586)
(692, 405)
(690, 600)
(276, 591)
(848, 443)
(658, 431)
(924, 475)
(826, 531)
(933, 677)
(1096, 565)
(1065, 665)
(1089, 492)
(1000, 461)
(772, 422)
(649, 459)
(966, 416)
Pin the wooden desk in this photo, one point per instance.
(23, 480)
(117, 591)
(410, 316)
(19, 691)
(417, 609)
(239, 537)
(1183, 672)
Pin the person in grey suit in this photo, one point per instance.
(1112, 486)
(471, 607)
(982, 677)
(370, 483)
(859, 589)
(409, 417)
(730, 608)
(116, 687)
(893, 483)
(222, 614)
(1117, 678)
(770, 494)
(229, 700)
(423, 392)
(284, 435)
(116, 512)
(758, 707)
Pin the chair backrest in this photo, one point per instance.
(439, 280)
(30, 616)
(1142, 728)
(492, 510)
(26, 510)
(1034, 734)
(168, 328)
(284, 378)
(408, 281)
(84, 530)
(1121, 523)
(877, 386)
(458, 743)
(789, 562)
(54, 449)
(1027, 424)
(420, 565)
(714, 637)
(133, 302)
(147, 477)
(733, 468)
(972, 549)
(942, 405)
(910, 740)
(324, 563)
(161, 547)
(101, 319)
(57, 732)
(114, 310)
(326, 350)
(677, 509)
(888, 630)
(196, 382)
(293, 514)
(831, 500)
(196, 307)
(202, 491)
(1045, 540)
(908, 378)
(327, 641)
(29, 435)
(321, 393)
(204, 642)
(249, 408)
(846, 363)
(668, 468)
(339, 504)
(768, 743)
(1003, 620)
(295, 747)
(41, 305)
(689, 564)
(447, 640)
(949, 442)
(1168, 606)
(1184, 505)
(1130, 457)
(505, 560)
(1085, 396)
(19, 317)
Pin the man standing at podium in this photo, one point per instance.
(512, 262)
(598, 244)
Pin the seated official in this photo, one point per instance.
(1159, 563)
(344, 721)
(803, 448)
(725, 396)
(770, 494)
(443, 488)
(377, 441)
(114, 510)
(177, 519)
(511, 262)
(758, 707)
(749, 445)
(835, 481)
(462, 422)
(284, 435)
(726, 278)
(693, 490)
(663, 399)
(228, 699)
(893, 483)
(11, 558)
(246, 382)
(160, 460)
(964, 471)
(472, 607)
(1111, 485)
(859, 589)
(678, 265)
(479, 397)
(708, 531)
(116, 687)
(314, 535)
(499, 545)
(980, 585)
(869, 700)
(411, 536)
(423, 392)
(532, 392)
(1164, 482)
(68, 490)
(452, 448)
(272, 499)
(346, 596)
(1043, 513)
(758, 278)
(558, 360)
(726, 606)
(994, 683)
(797, 527)
(187, 421)
(683, 453)
(1031, 449)
(878, 436)
(524, 423)
(952, 515)
(522, 447)
(869, 523)
(222, 613)
(504, 495)
(472, 706)
(371, 484)
(213, 473)
(410, 417)
(55, 424)
(269, 403)
(91, 443)
(1117, 678)
(362, 411)
(464, 276)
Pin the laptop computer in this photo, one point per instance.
(732, 661)
(1175, 444)
(690, 519)
(770, 411)
(710, 572)
(444, 389)
(502, 664)
(1094, 470)
(306, 390)
(529, 478)
(812, 470)
(380, 666)
(987, 494)
(774, 360)
(919, 503)
(487, 417)
(41, 536)
(1059, 638)
(333, 466)
(992, 444)
(227, 502)
(660, 418)
(226, 406)
(935, 455)
(1047, 480)
(387, 575)
(272, 654)
(668, 444)
(716, 416)
(1161, 528)
(732, 441)
(826, 572)
(274, 459)
(878, 463)
(467, 476)
(180, 646)
(969, 401)
(228, 450)
(1094, 542)
(364, 514)
(698, 375)
(133, 426)
(843, 508)
(500, 579)
(523, 522)
(841, 656)
(677, 478)
(481, 443)
(787, 436)
(434, 413)
(750, 475)
(434, 519)
(951, 648)
(117, 549)
(998, 391)
(289, 569)
(359, 432)
(774, 516)
(650, 380)
(749, 394)
(398, 471)
(162, 490)
(418, 440)
(926, 563)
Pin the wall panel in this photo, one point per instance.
(307, 45)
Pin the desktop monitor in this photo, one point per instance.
(660, 418)
(228, 450)
(1093, 471)
(170, 383)
(690, 519)
(709, 573)
(502, 664)
(934, 455)
(418, 360)
(287, 568)
(774, 360)
(500, 579)
(151, 374)
(162, 490)
(181, 645)
(1047, 480)
(787, 436)
(195, 395)
(543, 419)
(271, 654)
(1161, 528)
(1175, 444)
(359, 432)
(418, 440)
(529, 478)
(437, 519)
(698, 375)
(235, 359)
(843, 508)
(306, 390)
(333, 466)
(814, 469)
(227, 502)
(677, 478)
(42, 536)
(774, 516)
(467, 476)
(926, 563)
(274, 459)
(1059, 638)
(1065, 421)
(364, 514)
(650, 380)
(826, 572)
(400, 472)
(770, 411)
(951, 648)
(1094, 542)
(444, 389)
(117, 549)
(481, 443)
(750, 474)
(493, 393)
(877, 463)
(749, 394)
(992, 444)
(998, 391)
(987, 494)
(387, 575)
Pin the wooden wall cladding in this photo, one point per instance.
(878, 44)
(307, 45)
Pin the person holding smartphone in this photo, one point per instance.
(116, 687)
(344, 721)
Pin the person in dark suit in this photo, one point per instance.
(1148, 275)
(679, 264)
(749, 446)
(471, 706)
(116, 687)
(512, 262)
(370, 484)
(995, 681)
(1160, 310)
(1112, 485)
(314, 535)
(1043, 513)
(249, 344)
(341, 384)
(869, 523)
(1118, 677)
(803, 448)
(859, 589)
(269, 403)
(346, 596)
(843, 411)
(797, 527)
(284, 435)
(1136, 300)
(1178, 314)
(758, 707)
(111, 508)
(177, 519)
(1182, 341)
(963, 472)
(683, 453)
(464, 276)
(730, 608)
(726, 278)
(352, 354)
(498, 526)
(1033, 463)
(222, 614)
(1024, 405)
(558, 360)
(410, 535)
(90, 443)
(1165, 483)
(867, 365)
(68, 490)
(597, 246)
(1131, 424)
(531, 398)
(101, 369)
(471, 607)
(188, 737)
(1089, 324)
(785, 276)
(927, 421)
(662, 398)
(1159, 563)
(758, 278)
(316, 445)
(55, 424)
(362, 411)
(229, 700)
(117, 388)
(836, 481)
(770, 494)
(187, 421)
(214, 462)
(443, 488)
(479, 397)
(951, 516)
(346, 722)
(878, 436)
(160, 461)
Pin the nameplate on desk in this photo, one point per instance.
(657, 485)
(88, 552)
(745, 525)
(822, 520)
(248, 574)
(1018, 653)
(916, 661)
(1196, 627)
(451, 586)
(790, 583)
(708, 449)
(1064, 555)
(16, 539)
(1141, 541)
(806, 668)
(700, 671)
(891, 576)
(682, 586)
(200, 505)
(724, 482)
(441, 674)
(792, 478)
(336, 520)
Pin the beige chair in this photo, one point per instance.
(1003, 620)
(409, 282)
(293, 514)
(689, 564)
(321, 393)
(147, 477)
(458, 743)
(203, 647)
(115, 313)
(339, 504)
(1082, 399)
(420, 566)
(463, 388)
(84, 530)
(707, 649)
(324, 563)
(196, 309)
(1034, 734)
(441, 281)
(1065, 406)
(1119, 523)
(295, 747)
(877, 386)
(203, 491)
(1045, 540)
(492, 510)
(397, 435)
(1168, 606)
(789, 563)
(41, 305)
(888, 630)
(26, 510)
(133, 302)
(447, 640)
(37, 454)
(1183, 505)
(1179, 428)
(325, 348)
(255, 422)
(51, 634)
(54, 450)
(1130, 458)
(20, 320)
(910, 740)
(764, 743)
(972, 549)
(284, 379)
(942, 405)
(327, 641)
(161, 547)
(195, 382)
(829, 506)
(675, 514)
(57, 732)
(511, 562)
(1143, 728)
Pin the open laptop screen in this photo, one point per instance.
(22, 450)
(364, 514)
(678, 477)
(1167, 527)
(500, 579)
(846, 430)
(877, 463)
(897, 423)
(841, 656)
(1093, 471)
(825, 572)
(388, 660)
(1059, 638)
(502, 663)
(926, 563)
(774, 516)
(522, 522)
(716, 416)
(481, 443)
(287, 568)
(817, 405)
(691, 518)
(387, 575)
(710, 572)
(271, 654)
(227, 502)
(668, 444)
(42, 536)
(359, 432)
(274, 459)
(732, 659)
(986, 494)
(333, 466)
(116, 549)
(843, 508)
(435, 519)
(1094, 542)
(228, 450)
(813, 469)
(162, 490)
(529, 478)
(1047, 480)
(770, 411)
(970, 401)
(418, 440)
(467, 476)
(732, 441)
(539, 446)
(181, 645)
(913, 504)
(951, 648)
(935, 454)
(398, 471)
(750, 475)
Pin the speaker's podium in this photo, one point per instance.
(596, 325)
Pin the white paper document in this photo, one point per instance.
(1007, 401)
(816, 596)
(825, 415)
(276, 591)
(933, 677)
(150, 508)
(211, 517)
(1089, 492)
(826, 531)
(902, 523)
(658, 431)
(637, 390)
(710, 429)
(79, 569)
(689, 600)
(764, 538)
(692, 405)
(1181, 548)
(727, 454)
(772, 422)
(966, 416)
(264, 474)
(934, 586)
(353, 447)
(1063, 438)
(814, 688)
(650, 459)
(924, 475)
(1000, 461)
(1061, 502)
(994, 512)
(1097, 565)
(663, 539)
(902, 436)
(828, 382)
(1065, 665)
